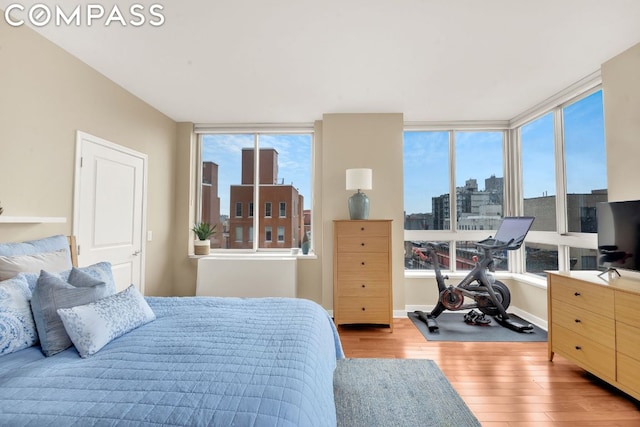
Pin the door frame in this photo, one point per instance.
(80, 136)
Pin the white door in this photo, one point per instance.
(109, 208)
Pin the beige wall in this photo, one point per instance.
(621, 92)
(363, 141)
(46, 95)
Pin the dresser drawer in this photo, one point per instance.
(629, 372)
(362, 228)
(599, 328)
(364, 310)
(582, 294)
(590, 355)
(368, 265)
(363, 288)
(362, 244)
(628, 308)
(628, 340)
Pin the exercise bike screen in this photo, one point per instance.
(513, 228)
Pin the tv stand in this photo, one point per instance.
(596, 325)
(609, 271)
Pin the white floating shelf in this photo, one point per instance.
(32, 219)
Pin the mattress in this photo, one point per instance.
(203, 361)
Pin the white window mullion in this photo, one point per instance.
(256, 190)
(453, 200)
(561, 176)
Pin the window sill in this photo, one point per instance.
(529, 279)
(256, 255)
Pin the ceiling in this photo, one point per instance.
(290, 61)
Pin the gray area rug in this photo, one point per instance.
(453, 328)
(397, 393)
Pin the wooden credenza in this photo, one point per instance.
(362, 291)
(595, 323)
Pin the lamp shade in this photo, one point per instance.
(359, 179)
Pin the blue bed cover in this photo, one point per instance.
(204, 361)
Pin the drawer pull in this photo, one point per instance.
(361, 228)
(362, 262)
(578, 320)
(577, 294)
(363, 309)
(363, 285)
(578, 347)
(362, 244)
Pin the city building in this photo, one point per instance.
(281, 206)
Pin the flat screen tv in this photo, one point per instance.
(619, 235)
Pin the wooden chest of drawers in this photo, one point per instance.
(362, 291)
(596, 324)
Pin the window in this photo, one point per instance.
(586, 169)
(479, 194)
(280, 233)
(551, 165)
(238, 234)
(267, 234)
(539, 172)
(567, 219)
(234, 178)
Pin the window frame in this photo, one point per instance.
(513, 194)
(256, 130)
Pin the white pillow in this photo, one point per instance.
(94, 325)
(55, 262)
(17, 328)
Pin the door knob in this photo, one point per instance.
(136, 253)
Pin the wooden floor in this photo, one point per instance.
(504, 384)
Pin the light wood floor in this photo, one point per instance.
(504, 384)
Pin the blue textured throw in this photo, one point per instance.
(203, 361)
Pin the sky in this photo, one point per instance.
(294, 161)
(478, 155)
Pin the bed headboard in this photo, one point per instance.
(73, 248)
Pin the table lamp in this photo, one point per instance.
(359, 179)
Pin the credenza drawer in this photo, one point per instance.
(363, 244)
(592, 356)
(628, 308)
(364, 310)
(628, 340)
(354, 266)
(629, 372)
(361, 228)
(584, 295)
(587, 323)
(363, 288)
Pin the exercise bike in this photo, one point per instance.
(490, 296)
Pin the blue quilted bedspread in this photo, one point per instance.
(203, 361)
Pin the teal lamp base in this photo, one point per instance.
(359, 206)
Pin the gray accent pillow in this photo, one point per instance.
(52, 293)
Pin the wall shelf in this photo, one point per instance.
(32, 219)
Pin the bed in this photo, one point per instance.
(200, 361)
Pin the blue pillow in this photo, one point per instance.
(17, 328)
(48, 244)
(94, 325)
(101, 271)
(52, 293)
